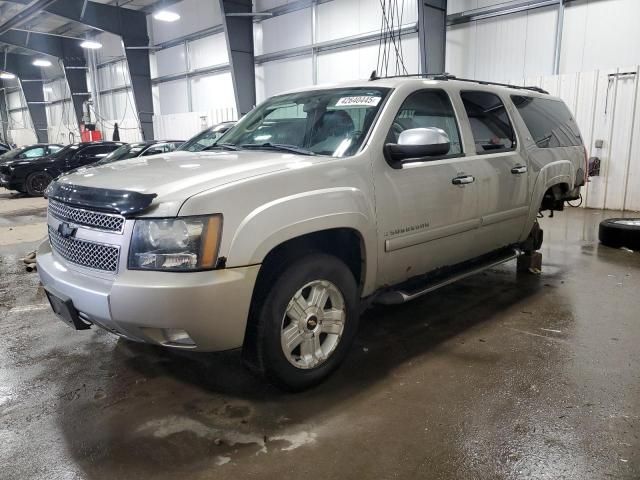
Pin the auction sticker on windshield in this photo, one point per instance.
(359, 101)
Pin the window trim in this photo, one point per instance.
(457, 124)
(515, 141)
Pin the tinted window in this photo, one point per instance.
(549, 121)
(490, 124)
(425, 109)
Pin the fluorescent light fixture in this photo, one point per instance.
(7, 76)
(41, 62)
(166, 16)
(91, 44)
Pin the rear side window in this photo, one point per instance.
(549, 121)
(424, 109)
(490, 124)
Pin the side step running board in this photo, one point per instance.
(401, 295)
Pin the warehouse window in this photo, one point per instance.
(490, 124)
(549, 121)
(425, 109)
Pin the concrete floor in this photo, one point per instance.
(498, 376)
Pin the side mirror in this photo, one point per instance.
(416, 143)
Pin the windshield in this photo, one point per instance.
(331, 122)
(122, 153)
(205, 139)
(11, 154)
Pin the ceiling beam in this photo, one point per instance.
(25, 15)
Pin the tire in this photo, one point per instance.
(620, 232)
(37, 182)
(319, 341)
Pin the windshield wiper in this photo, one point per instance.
(223, 146)
(278, 146)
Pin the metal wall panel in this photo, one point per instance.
(171, 60)
(208, 51)
(281, 75)
(287, 31)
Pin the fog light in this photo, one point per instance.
(178, 337)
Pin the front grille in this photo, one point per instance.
(98, 220)
(88, 254)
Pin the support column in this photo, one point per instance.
(140, 73)
(3, 111)
(75, 70)
(30, 79)
(432, 29)
(238, 27)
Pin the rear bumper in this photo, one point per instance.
(211, 307)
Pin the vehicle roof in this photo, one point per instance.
(450, 83)
(101, 142)
(41, 145)
(153, 142)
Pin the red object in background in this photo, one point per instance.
(91, 135)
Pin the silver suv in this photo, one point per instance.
(317, 203)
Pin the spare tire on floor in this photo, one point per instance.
(620, 232)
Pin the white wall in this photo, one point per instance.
(596, 34)
(336, 20)
(61, 117)
(600, 34)
(520, 44)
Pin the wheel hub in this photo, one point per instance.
(312, 324)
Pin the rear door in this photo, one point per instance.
(502, 193)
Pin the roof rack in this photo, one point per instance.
(447, 76)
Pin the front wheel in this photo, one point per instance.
(37, 183)
(306, 323)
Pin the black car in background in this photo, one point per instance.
(141, 149)
(33, 175)
(4, 148)
(206, 138)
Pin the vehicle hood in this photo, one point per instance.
(23, 162)
(176, 176)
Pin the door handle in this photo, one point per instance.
(463, 180)
(519, 169)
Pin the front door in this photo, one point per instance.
(428, 209)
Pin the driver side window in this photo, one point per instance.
(427, 109)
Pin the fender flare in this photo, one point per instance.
(286, 218)
(554, 173)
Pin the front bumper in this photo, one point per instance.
(212, 306)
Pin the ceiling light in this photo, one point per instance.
(166, 16)
(7, 76)
(41, 62)
(91, 44)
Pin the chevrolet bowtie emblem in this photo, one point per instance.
(66, 230)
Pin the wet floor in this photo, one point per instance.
(497, 377)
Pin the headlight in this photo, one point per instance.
(175, 244)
